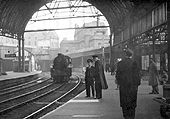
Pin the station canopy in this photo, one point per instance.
(15, 14)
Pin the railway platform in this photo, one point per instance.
(14, 75)
(108, 107)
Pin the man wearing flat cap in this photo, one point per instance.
(100, 80)
(128, 79)
(89, 82)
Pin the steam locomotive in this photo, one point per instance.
(61, 70)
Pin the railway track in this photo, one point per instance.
(10, 94)
(22, 86)
(13, 83)
(32, 100)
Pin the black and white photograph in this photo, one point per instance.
(84, 59)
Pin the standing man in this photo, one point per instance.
(89, 78)
(100, 80)
(153, 77)
(128, 79)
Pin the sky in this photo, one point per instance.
(60, 13)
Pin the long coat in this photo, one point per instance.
(128, 77)
(153, 75)
(99, 72)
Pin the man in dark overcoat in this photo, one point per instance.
(100, 80)
(128, 78)
(89, 78)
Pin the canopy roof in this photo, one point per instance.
(15, 14)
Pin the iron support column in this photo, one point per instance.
(23, 55)
(82, 63)
(166, 87)
(153, 49)
(103, 51)
(19, 53)
(131, 44)
(111, 52)
(168, 39)
(111, 42)
(112, 60)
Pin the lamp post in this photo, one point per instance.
(103, 55)
(103, 59)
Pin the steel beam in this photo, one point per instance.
(90, 27)
(65, 18)
(48, 9)
(23, 54)
(69, 7)
(19, 53)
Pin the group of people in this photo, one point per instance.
(95, 78)
(128, 78)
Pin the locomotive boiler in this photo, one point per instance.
(61, 69)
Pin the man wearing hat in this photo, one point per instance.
(100, 80)
(89, 78)
(128, 79)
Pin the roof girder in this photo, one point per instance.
(14, 14)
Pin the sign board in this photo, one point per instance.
(10, 55)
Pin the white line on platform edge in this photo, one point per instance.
(61, 105)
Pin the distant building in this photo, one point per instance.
(43, 39)
(46, 43)
(37, 46)
(7, 46)
(86, 38)
(68, 45)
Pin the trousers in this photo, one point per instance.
(89, 85)
(98, 89)
(128, 112)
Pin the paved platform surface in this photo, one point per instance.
(108, 107)
(12, 75)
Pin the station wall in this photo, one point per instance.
(7, 65)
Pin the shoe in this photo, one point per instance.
(95, 98)
(99, 97)
(156, 93)
(87, 96)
